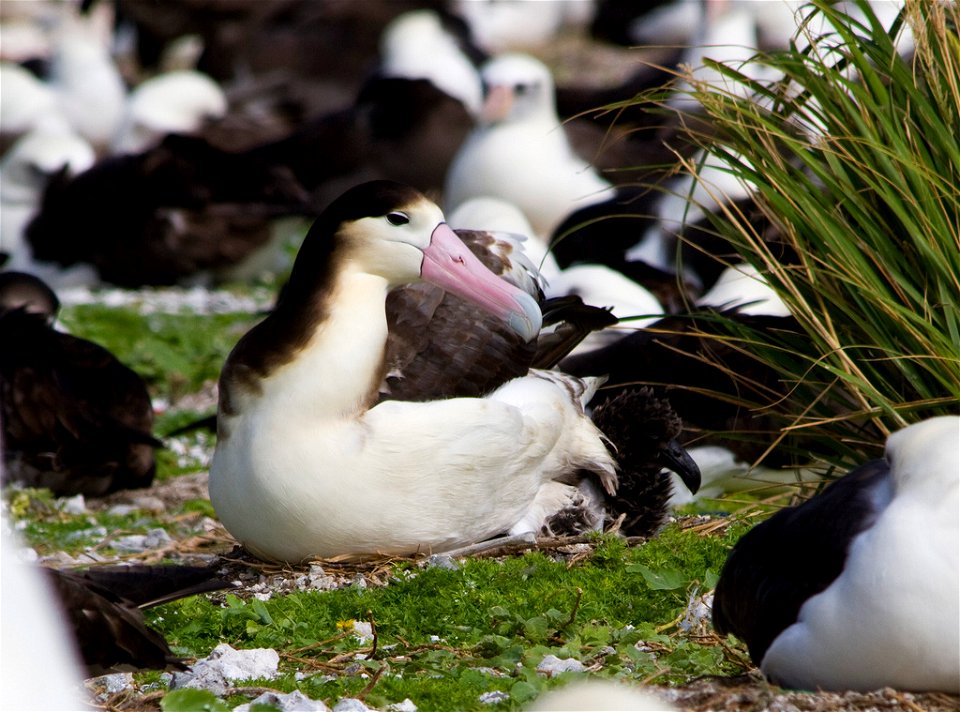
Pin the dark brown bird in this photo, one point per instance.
(153, 218)
(104, 607)
(75, 419)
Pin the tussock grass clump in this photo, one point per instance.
(854, 158)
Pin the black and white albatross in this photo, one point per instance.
(856, 588)
(309, 464)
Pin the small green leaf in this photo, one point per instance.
(499, 612)
(536, 628)
(523, 691)
(191, 700)
(661, 580)
(261, 611)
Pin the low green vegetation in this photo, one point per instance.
(175, 353)
(50, 525)
(446, 636)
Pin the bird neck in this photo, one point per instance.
(337, 372)
(318, 361)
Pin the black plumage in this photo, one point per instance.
(643, 429)
(796, 554)
(104, 608)
(714, 385)
(74, 418)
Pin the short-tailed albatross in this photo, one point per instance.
(309, 464)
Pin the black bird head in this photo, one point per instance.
(643, 428)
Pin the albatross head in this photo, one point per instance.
(393, 231)
(519, 88)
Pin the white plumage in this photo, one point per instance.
(416, 46)
(173, 102)
(90, 91)
(892, 617)
(40, 666)
(24, 172)
(519, 152)
(743, 286)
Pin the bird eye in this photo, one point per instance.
(520, 89)
(398, 218)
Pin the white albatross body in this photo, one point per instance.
(520, 152)
(304, 467)
(892, 617)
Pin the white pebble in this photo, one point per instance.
(405, 706)
(492, 698)
(552, 665)
(73, 505)
(225, 665)
(294, 701)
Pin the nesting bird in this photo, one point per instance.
(181, 209)
(75, 419)
(310, 466)
(856, 588)
(309, 463)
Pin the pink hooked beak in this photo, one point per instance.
(449, 264)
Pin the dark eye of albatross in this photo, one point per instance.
(397, 218)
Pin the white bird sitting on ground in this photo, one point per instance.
(308, 465)
(856, 589)
(180, 102)
(520, 152)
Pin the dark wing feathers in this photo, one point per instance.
(439, 346)
(796, 554)
(573, 321)
(75, 419)
(103, 606)
(712, 384)
(145, 586)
